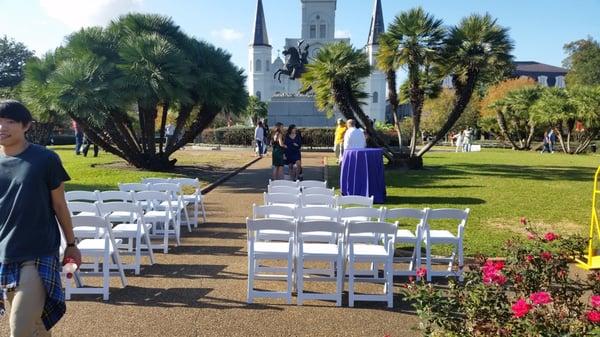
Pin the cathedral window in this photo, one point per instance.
(267, 66)
(313, 31)
(375, 97)
(258, 67)
(322, 31)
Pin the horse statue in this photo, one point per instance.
(294, 66)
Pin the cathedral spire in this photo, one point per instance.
(260, 27)
(377, 26)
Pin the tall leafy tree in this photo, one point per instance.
(13, 57)
(335, 75)
(477, 47)
(583, 62)
(256, 109)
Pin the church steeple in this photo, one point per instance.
(260, 27)
(377, 26)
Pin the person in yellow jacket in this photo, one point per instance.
(338, 143)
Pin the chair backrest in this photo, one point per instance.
(76, 207)
(104, 196)
(87, 196)
(354, 200)
(273, 211)
(283, 189)
(385, 230)
(317, 213)
(254, 225)
(151, 199)
(173, 189)
(135, 211)
(369, 213)
(333, 227)
(449, 214)
(418, 216)
(155, 180)
(318, 190)
(133, 187)
(101, 225)
(193, 182)
(281, 198)
(317, 200)
(312, 183)
(283, 183)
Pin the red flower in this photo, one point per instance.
(593, 316)
(523, 220)
(492, 272)
(595, 301)
(529, 258)
(546, 256)
(422, 272)
(540, 297)
(411, 279)
(520, 308)
(550, 236)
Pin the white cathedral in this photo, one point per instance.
(318, 28)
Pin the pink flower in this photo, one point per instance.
(530, 236)
(595, 301)
(523, 220)
(546, 256)
(411, 279)
(593, 316)
(550, 236)
(492, 272)
(520, 308)
(422, 272)
(529, 258)
(540, 297)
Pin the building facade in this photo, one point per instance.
(318, 29)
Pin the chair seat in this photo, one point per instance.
(130, 228)
(120, 216)
(356, 218)
(321, 249)
(442, 236)
(364, 250)
(271, 248)
(153, 215)
(317, 218)
(404, 235)
(86, 214)
(87, 231)
(94, 246)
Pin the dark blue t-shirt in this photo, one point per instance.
(28, 226)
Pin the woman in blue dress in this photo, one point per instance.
(293, 142)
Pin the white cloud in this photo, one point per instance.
(342, 34)
(227, 34)
(76, 13)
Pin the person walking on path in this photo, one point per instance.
(278, 152)
(338, 142)
(87, 142)
(259, 138)
(31, 201)
(354, 138)
(293, 155)
(266, 137)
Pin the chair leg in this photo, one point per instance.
(105, 276)
(138, 253)
(461, 276)
(389, 275)
(250, 297)
(428, 261)
(187, 219)
(300, 280)
(203, 211)
(166, 236)
(350, 282)
(290, 278)
(196, 214)
(117, 260)
(150, 248)
(339, 281)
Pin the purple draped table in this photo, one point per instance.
(362, 173)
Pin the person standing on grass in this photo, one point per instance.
(293, 144)
(338, 142)
(87, 142)
(78, 137)
(259, 138)
(278, 152)
(32, 199)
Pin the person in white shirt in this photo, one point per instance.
(354, 138)
(259, 137)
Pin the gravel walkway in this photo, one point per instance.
(199, 288)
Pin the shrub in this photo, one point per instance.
(530, 293)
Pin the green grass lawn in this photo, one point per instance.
(107, 170)
(553, 191)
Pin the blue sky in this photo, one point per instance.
(538, 28)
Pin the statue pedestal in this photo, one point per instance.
(299, 110)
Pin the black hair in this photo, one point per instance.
(290, 128)
(16, 111)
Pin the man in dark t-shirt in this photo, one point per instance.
(32, 206)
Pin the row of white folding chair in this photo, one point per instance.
(298, 183)
(100, 243)
(285, 199)
(303, 191)
(307, 249)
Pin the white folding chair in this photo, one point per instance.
(318, 251)
(312, 183)
(318, 190)
(444, 237)
(409, 237)
(281, 199)
(361, 214)
(136, 232)
(104, 247)
(381, 252)
(117, 196)
(83, 196)
(267, 250)
(79, 208)
(354, 200)
(133, 187)
(319, 214)
(283, 189)
(317, 200)
(156, 180)
(176, 203)
(273, 212)
(196, 197)
(161, 215)
(283, 183)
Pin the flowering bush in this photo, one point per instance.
(530, 293)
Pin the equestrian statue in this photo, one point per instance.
(297, 57)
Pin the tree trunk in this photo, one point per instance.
(530, 135)
(416, 100)
(39, 133)
(464, 93)
(504, 129)
(558, 130)
(163, 123)
(393, 99)
(184, 113)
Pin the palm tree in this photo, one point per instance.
(476, 47)
(514, 116)
(388, 64)
(413, 40)
(335, 77)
